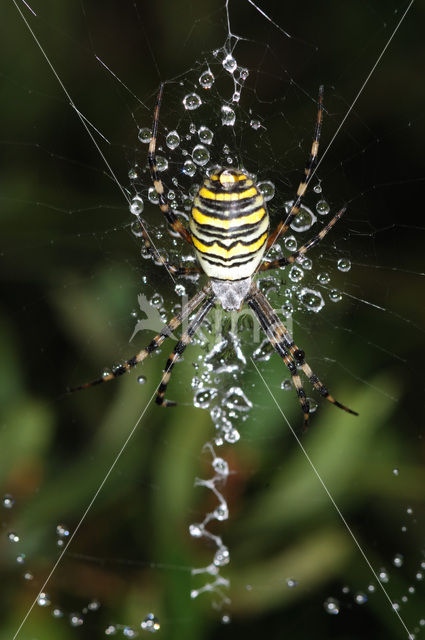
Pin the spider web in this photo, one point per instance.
(76, 267)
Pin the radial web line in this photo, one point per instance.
(338, 510)
(82, 120)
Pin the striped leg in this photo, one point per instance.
(178, 350)
(154, 344)
(282, 341)
(282, 227)
(281, 262)
(157, 182)
(175, 271)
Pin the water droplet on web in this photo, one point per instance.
(225, 619)
(196, 530)
(286, 385)
(323, 278)
(322, 207)
(150, 623)
(267, 189)
(383, 575)
(291, 583)
(221, 512)
(295, 274)
(20, 559)
(13, 537)
(136, 206)
(62, 531)
(189, 168)
(152, 195)
(360, 598)
(304, 220)
(344, 264)
(192, 101)
(157, 300)
(236, 399)
(312, 299)
(161, 163)
(132, 174)
(221, 557)
(8, 501)
(335, 295)
(243, 73)
(255, 124)
(331, 606)
(205, 135)
(93, 605)
(111, 630)
(57, 613)
(203, 398)
(228, 116)
(290, 243)
(200, 155)
(28, 575)
(43, 599)
(287, 309)
(180, 289)
(229, 63)
(398, 560)
(172, 140)
(317, 188)
(141, 380)
(313, 405)
(206, 79)
(220, 466)
(396, 472)
(75, 620)
(145, 135)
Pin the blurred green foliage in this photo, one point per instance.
(71, 275)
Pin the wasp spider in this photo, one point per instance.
(229, 231)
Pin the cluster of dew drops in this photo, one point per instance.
(76, 619)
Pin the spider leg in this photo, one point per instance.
(282, 341)
(154, 344)
(293, 257)
(157, 182)
(171, 268)
(178, 350)
(282, 227)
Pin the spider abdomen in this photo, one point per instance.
(229, 225)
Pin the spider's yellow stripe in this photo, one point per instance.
(201, 219)
(231, 178)
(238, 250)
(228, 197)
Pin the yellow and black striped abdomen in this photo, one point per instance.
(229, 225)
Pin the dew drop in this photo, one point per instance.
(335, 295)
(317, 188)
(62, 531)
(200, 155)
(236, 399)
(221, 557)
(225, 619)
(419, 576)
(161, 163)
(196, 530)
(145, 135)
(75, 620)
(220, 466)
(398, 560)
(157, 300)
(229, 63)
(189, 168)
(150, 623)
(312, 300)
(286, 385)
(20, 559)
(43, 599)
(232, 436)
(228, 116)
(93, 605)
(13, 537)
(128, 632)
(267, 189)
(141, 380)
(331, 606)
(322, 207)
(132, 174)
(360, 598)
(191, 101)
(57, 613)
(172, 140)
(324, 278)
(344, 264)
(28, 575)
(153, 195)
(221, 512)
(290, 243)
(255, 124)
(304, 220)
(136, 206)
(383, 575)
(8, 501)
(291, 583)
(396, 472)
(295, 274)
(205, 135)
(206, 79)
(111, 630)
(203, 398)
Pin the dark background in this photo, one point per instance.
(71, 275)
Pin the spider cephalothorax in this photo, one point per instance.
(229, 231)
